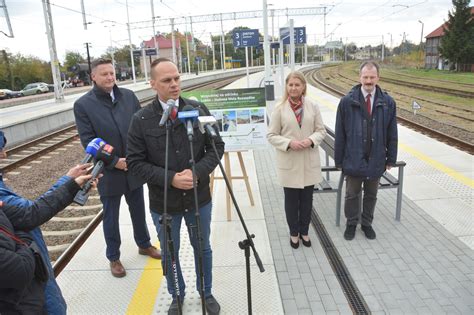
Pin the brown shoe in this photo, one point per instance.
(117, 269)
(151, 251)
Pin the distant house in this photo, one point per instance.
(165, 50)
(433, 59)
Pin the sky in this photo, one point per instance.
(362, 22)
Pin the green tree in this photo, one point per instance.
(72, 58)
(457, 44)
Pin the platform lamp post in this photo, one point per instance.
(421, 37)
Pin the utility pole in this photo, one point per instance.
(173, 41)
(269, 88)
(9, 70)
(58, 90)
(213, 54)
(383, 48)
(154, 32)
(84, 21)
(88, 58)
(223, 45)
(5, 11)
(421, 38)
(130, 43)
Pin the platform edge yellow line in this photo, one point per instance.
(148, 285)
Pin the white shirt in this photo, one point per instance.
(112, 95)
(165, 105)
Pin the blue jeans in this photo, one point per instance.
(136, 206)
(190, 219)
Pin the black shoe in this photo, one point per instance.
(294, 245)
(174, 309)
(368, 231)
(350, 232)
(305, 243)
(212, 307)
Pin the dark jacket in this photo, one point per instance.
(20, 291)
(146, 156)
(365, 146)
(97, 116)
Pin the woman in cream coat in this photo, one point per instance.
(296, 129)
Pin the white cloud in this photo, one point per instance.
(361, 23)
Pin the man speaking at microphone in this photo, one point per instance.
(146, 158)
(105, 112)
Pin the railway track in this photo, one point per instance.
(441, 136)
(67, 232)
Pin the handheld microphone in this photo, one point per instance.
(205, 125)
(166, 114)
(91, 150)
(189, 115)
(103, 157)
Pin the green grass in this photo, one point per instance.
(458, 77)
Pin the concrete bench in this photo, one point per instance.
(386, 181)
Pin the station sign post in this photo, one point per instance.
(246, 38)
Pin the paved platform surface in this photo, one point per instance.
(419, 265)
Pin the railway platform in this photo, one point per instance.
(422, 264)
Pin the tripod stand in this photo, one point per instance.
(198, 226)
(166, 226)
(247, 243)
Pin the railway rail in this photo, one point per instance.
(450, 140)
(25, 153)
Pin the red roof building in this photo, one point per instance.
(433, 60)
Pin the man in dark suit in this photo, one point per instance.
(105, 112)
(146, 157)
(365, 146)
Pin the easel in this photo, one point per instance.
(229, 175)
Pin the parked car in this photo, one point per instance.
(35, 88)
(6, 93)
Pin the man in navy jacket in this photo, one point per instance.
(366, 145)
(105, 112)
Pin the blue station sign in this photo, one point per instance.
(299, 34)
(245, 38)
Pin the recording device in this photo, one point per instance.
(205, 125)
(91, 150)
(166, 114)
(188, 115)
(103, 157)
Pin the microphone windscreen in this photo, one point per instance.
(94, 146)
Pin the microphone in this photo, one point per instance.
(91, 150)
(103, 157)
(205, 125)
(188, 115)
(166, 114)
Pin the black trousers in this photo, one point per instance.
(298, 205)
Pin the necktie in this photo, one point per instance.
(174, 112)
(369, 106)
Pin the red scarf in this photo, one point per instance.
(297, 109)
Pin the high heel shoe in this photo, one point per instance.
(294, 245)
(305, 243)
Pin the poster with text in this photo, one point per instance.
(240, 114)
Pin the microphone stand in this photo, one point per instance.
(166, 225)
(247, 243)
(198, 226)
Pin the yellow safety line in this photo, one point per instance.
(437, 165)
(144, 299)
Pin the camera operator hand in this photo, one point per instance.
(81, 180)
(78, 170)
